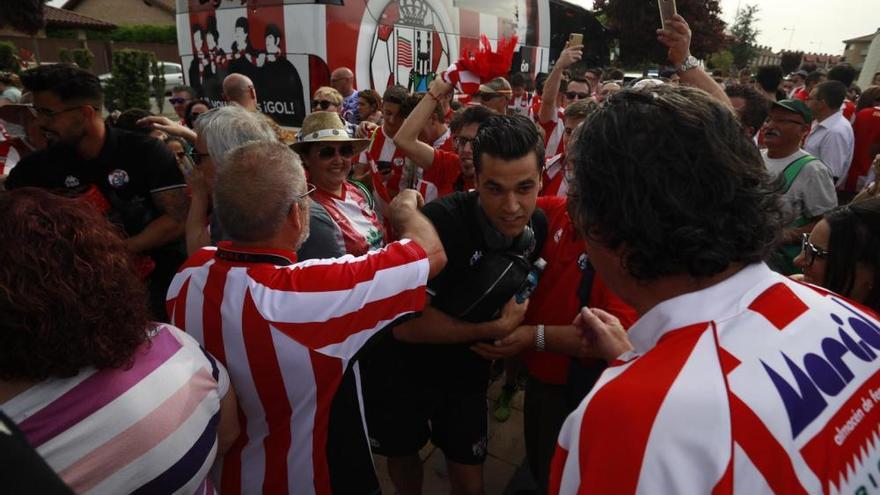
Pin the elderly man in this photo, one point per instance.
(342, 80)
(735, 378)
(831, 138)
(286, 330)
(239, 89)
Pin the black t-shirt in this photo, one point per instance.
(128, 170)
(457, 222)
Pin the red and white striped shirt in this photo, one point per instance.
(286, 332)
(360, 228)
(757, 384)
(553, 131)
(554, 182)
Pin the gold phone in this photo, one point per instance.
(575, 39)
(667, 10)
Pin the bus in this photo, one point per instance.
(289, 47)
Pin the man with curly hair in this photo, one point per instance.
(735, 378)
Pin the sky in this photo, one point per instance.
(807, 25)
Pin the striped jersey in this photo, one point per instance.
(361, 230)
(553, 131)
(757, 384)
(553, 179)
(287, 331)
(148, 429)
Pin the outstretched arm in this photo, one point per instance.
(407, 138)
(677, 37)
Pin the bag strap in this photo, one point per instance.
(793, 169)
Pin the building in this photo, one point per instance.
(126, 12)
(857, 50)
(766, 56)
(822, 61)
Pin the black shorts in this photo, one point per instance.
(403, 413)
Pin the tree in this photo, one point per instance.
(8, 57)
(791, 61)
(158, 83)
(83, 57)
(129, 86)
(745, 34)
(722, 60)
(634, 24)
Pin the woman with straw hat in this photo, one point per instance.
(326, 151)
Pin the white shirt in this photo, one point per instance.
(832, 141)
(757, 384)
(811, 194)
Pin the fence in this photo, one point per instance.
(48, 49)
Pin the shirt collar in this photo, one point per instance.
(230, 253)
(716, 303)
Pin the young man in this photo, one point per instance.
(180, 97)
(521, 100)
(810, 82)
(385, 160)
(554, 178)
(751, 107)
(550, 117)
(437, 389)
(831, 139)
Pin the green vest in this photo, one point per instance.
(787, 253)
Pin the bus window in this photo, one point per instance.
(503, 9)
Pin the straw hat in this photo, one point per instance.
(324, 127)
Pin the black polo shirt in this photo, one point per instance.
(128, 170)
(456, 219)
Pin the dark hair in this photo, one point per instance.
(854, 239)
(757, 105)
(579, 79)
(869, 98)
(69, 82)
(540, 79)
(184, 89)
(188, 118)
(813, 77)
(410, 104)
(666, 74)
(273, 30)
(176, 139)
(371, 97)
(211, 28)
(518, 79)
(614, 75)
(844, 73)
(745, 72)
(832, 93)
(596, 71)
(242, 22)
(769, 77)
(395, 94)
(475, 114)
(508, 137)
(127, 120)
(69, 294)
(667, 173)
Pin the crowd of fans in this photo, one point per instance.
(214, 302)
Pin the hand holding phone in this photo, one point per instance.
(667, 10)
(575, 39)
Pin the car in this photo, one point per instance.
(173, 73)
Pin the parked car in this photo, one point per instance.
(173, 76)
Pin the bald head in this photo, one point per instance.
(342, 79)
(239, 89)
(255, 191)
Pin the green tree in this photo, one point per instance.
(158, 83)
(745, 34)
(634, 23)
(8, 57)
(83, 57)
(64, 56)
(722, 60)
(129, 86)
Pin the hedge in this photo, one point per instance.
(136, 34)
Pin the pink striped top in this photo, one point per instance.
(148, 429)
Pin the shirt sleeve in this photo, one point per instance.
(446, 224)
(23, 175)
(325, 239)
(816, 190)
(836, 153)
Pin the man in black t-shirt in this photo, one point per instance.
(426, 383)
(133, 178)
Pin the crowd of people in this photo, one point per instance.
(682, 273)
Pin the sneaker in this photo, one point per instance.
(501, 409)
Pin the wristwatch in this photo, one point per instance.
(540, 345)
(689, 63)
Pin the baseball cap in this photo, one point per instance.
(801, 73)
(796, 106)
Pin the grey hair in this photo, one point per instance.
(229, 127)
(256, 189)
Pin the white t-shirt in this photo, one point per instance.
(832, 142)
(812, 192)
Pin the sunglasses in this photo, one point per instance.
(323, 104)
(810, 251)
(327, 152)
(177, 101)
(572, 95)
(462, 141)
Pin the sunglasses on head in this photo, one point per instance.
(327, 152)
(571, 95)
(811, 252)
(323, 104)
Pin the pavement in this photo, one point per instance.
(504, 472)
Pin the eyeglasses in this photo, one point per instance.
(324, 104)
(199, 157)
(786, 121)
(310, 188)
(177, 100)
(573, 95)
(327, 152)
(810, 251)
(461, 141)
(49, 114)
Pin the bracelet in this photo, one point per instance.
(434, 97)
(540, 344)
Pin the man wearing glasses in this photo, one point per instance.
(551, 116)
(809, 189)
(134, 177)
(180, 97)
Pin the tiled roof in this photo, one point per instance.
(866, 38)
(65, 19)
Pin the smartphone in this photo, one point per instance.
(575, 39)
(667, 10)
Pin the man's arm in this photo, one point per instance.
(437, 327)
(569, 56)
(677, 37)
(168, 227)
(411, 224)
(198, 235)
(407, 138)
(169, 127)
(561, 339)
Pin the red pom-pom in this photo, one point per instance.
(488, 64)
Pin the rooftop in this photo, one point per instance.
(65, 19)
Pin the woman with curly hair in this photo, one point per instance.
(113, 402)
